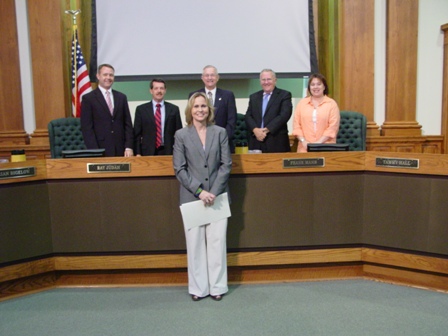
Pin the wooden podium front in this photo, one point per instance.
(294, 216)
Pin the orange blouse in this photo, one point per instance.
(325, 123)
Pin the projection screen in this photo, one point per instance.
(177, 38)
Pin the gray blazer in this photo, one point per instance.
(195, 167)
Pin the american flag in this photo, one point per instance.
(80, 77)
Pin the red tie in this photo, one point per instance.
(158, 117)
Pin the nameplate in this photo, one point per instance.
(17, 172)
(108, 168)
(304, 163)
(397, 163)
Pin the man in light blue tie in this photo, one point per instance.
(267, 116)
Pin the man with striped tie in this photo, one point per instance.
(155, 123)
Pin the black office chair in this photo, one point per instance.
(65, 134)
(353, 130)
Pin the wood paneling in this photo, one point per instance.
(39, 165)
(11, 111)
(428, 163)
(49, 75)
(244, 267)
(410, 144)
(234, 259)
(401, 68)
(405, 260)
(27, 269)
(241, 164)
(406, 144)
(356, 60)
(406, 277)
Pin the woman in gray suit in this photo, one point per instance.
(202, 163)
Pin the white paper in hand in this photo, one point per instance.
(196, 213)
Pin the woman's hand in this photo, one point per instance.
(207, 198)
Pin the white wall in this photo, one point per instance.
(432, 15)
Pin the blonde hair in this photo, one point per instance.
(211, 109)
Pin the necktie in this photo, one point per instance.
(158, 117)
(263, 107)
(210, 98)
(109, 102)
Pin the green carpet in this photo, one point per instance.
(349, 307)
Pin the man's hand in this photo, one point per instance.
(260, 133)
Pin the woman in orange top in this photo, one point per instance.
(316, 117)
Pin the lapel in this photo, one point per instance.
(167, 115)
(115, 102)
(209, 140)
(218, 99)
(194, 137)
(272, 99)
(151, 112)
(102, 101)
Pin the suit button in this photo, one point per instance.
(205, 166)
(206, 179)
(112, 132)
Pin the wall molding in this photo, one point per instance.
(244, 267)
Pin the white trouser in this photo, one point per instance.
(207, 259)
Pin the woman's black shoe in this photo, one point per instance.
(216, 297)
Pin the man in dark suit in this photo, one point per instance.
(146, 120)
(267, 116)
(222, 100)
(105, 118)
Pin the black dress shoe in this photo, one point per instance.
(217, 297)
(196, 298)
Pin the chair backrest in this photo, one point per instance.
(352, 130)
(240, 133)
(65, 134)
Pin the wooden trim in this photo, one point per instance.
(405, 260)
(409, 144)
(241, 164)
(234, 259)
(431, 272)
(406, 277)
(433, 144)
(39, 165)
(26, 269)
(429, 164)
(54, 169)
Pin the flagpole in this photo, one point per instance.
(73, 13)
